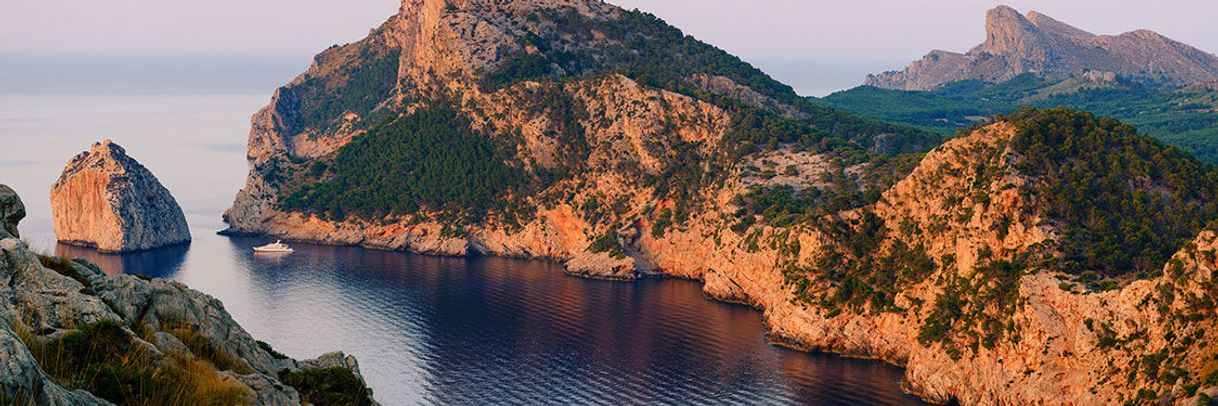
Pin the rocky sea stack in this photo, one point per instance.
(70, 335)
(107, 200)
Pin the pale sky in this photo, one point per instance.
(778, 35)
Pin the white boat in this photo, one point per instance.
(277, 246)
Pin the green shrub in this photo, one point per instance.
(662, 223)
(269, 350)
(329, 386)
(608, 243)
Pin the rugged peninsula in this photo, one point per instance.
(71, 335)
(106, 199)
(1049, 256)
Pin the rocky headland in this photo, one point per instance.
(1016, 44)
(70, 335)
(574, 131)
(105, 199)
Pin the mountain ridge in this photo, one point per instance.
(1039, 44)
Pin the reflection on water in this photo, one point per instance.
(494, 330)
(439, 330)
(160, 263)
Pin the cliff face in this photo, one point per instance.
(106, 199)
(144, 329)
(951, 264)
(1016, 44)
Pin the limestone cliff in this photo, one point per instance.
(527, 129)
(1016, 44)
(106, 199)
(157, 330)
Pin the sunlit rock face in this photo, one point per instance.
(107, 200)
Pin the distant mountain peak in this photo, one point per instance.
(1016, 44)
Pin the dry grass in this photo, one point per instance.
(207, 385)
(104, 359)
(203, 348)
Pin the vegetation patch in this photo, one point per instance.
(609, 244)
(368, 76)
(860, 272)
(1126, 201)
(518, 68)
(269, 350)
(328, 386)
(975, 311)
(427, 161)
(1186, 117)
(784, 205)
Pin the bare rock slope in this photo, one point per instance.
(1016, 44)
(107, 200)
(132, 329)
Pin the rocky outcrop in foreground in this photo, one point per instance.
(107, 200)
(11, 212)
(1016, 44)
(127, 340)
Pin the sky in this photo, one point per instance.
(802, 42)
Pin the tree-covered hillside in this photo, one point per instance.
(427, 160)
(1125, 201)
(1187, 118)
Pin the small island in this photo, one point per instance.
(106, 199)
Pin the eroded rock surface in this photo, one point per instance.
(106, 199)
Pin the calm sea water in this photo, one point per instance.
(426, 330)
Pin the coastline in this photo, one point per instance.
(769, 335)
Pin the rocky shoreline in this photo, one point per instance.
(1070, 367)
(950, 264)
